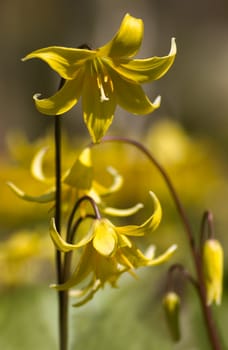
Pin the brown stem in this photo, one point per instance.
(207, 220)
(185, 273)
(206, 310)
(72, 228)
(62, 295)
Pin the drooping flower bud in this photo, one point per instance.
(171, 304)
(213, 270)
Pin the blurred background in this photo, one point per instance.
(188, 134)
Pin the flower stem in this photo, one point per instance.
(206, 310)
(62, 295)
(180, 268)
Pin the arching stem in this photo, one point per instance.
(206, 310)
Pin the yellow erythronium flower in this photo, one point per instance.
(104, 77)
(77, 182)
(108, 252)
(171, 304)
(213, 270)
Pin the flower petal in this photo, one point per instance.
(37, 167)
(213, 266)
(122, 212)
(149, 69)
(62, 245)
(127, 40)
(163, 257)
(65, 61)
(105, 239)
(80, 174)
(148, 226)
(82, 270)
(115, 186)
(130, 96)
(106, 269)
(63, 100)
(93, 289)
(98, 102)
(44, 198)
(136, 258)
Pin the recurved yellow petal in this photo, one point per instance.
(95, 287)
(127, 40)
(62, 245)
(163, 257)
(122, 212)
(148, 226)
(37, 166)
(65, 61)
(130, 96)
(81, 272)
(149, 69)
(44, 198)
(137, 259)
(115, 186)
(63, 100)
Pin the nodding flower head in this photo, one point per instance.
(104, 78)
(213, 270)
(107, 251)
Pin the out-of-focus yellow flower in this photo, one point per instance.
(77, 182)
(20, 255)
(104, 77)
(213, 270)
(108, 252)
(171, 304)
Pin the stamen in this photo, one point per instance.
(101, 80)
(103, 97)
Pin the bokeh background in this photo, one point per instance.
(188, 134)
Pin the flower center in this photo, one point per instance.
(103, 97)
(104, 82)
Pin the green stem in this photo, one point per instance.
(206, 310)
(62, 295)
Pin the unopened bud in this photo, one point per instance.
(171, 304)
(213, 270)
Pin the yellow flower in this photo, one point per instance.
(108, 252)
(213, 270)
(171, 305)
(104, 77)
(77, 182)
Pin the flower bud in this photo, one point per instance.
(213, 270)
(171, 304)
